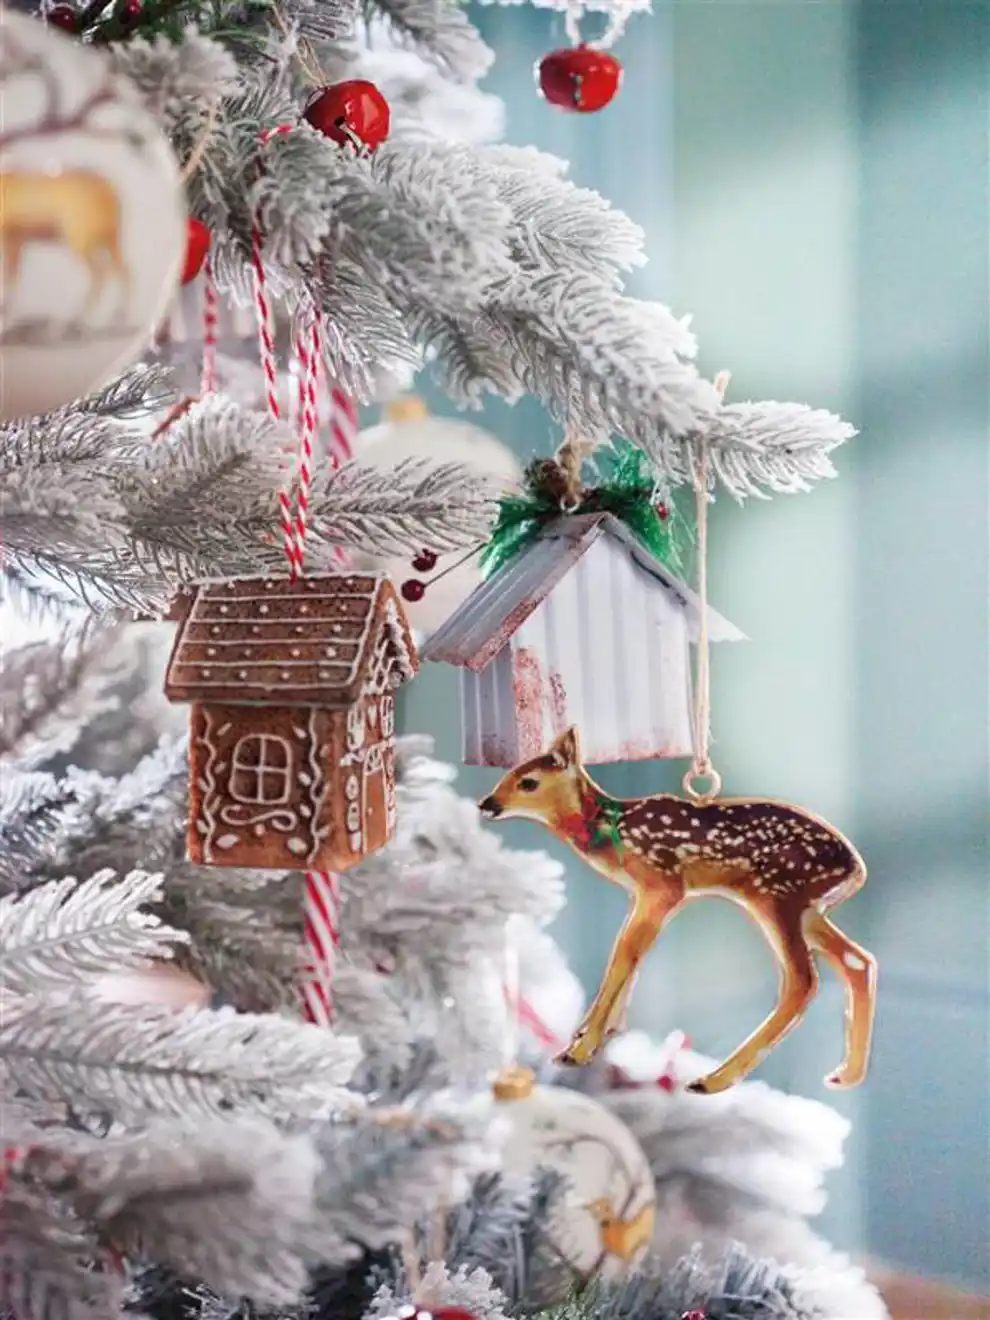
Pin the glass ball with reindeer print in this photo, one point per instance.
(602, 1225)
(92, 220)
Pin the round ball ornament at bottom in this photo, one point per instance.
(92, 220)
(603, 1224)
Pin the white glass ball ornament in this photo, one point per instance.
(92, 220)
(603, 1224)
(408, 431)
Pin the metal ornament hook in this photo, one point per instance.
(702, 796)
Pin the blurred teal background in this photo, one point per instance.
(813, 181)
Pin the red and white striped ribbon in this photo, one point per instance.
(321, 889)
(211, 322)
(341, 435)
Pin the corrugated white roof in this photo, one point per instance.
(476, 631)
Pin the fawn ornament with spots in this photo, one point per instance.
(783, 865)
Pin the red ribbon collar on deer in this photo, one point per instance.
(597, 826)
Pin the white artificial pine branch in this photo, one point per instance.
(228, 1201)
(440, 30)
(472, 1290)
(119, 520)
(134, 1062)
(66, 933)
(758, 448)
(49, 690)
(46, 1262)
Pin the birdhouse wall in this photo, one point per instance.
(606, 650)
(488, 713)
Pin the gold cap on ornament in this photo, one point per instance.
(514, 1083)
(408, 408)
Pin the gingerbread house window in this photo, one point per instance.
(260, 771)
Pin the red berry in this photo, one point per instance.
(197, 245)
(579, 78)
(129, 10)
(663, 512)
(425, 561)
(63, 17)
(450, 1313)
(351, 113)
(412, 589)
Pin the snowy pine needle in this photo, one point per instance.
(65, 933)
(137, 1061)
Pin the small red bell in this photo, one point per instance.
(579, 78)
(352, 113)
(197, 245)
(64, 17)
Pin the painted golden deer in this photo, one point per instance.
(623, 1237)
(783, 865)
(78, 210)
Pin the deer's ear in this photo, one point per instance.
(565, 750)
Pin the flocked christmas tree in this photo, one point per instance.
(228, 1158)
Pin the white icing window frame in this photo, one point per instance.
(262, 770)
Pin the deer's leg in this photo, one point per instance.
(123, 274)
(798, 982)
(648, 915)
(12, 249)
(858, 971)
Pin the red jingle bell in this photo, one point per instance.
(352, 113)
(63, 17)
(579, 78)
(197, 245)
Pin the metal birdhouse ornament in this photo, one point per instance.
(582, 620)
(786, 867)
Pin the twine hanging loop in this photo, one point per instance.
(702, 783)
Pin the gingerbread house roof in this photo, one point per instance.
(317, 641)
(486, 622)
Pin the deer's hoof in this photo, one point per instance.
(840, 1080)
(580, 1052)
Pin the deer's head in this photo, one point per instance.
(602, 1210)
(547, 788)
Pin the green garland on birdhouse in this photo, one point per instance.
(626, 487)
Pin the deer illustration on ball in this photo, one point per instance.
(784, 866)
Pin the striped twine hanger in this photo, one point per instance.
(211, 321)
(321, 889)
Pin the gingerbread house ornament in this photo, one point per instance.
(581, 627)
(291, 739)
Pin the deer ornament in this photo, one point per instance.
(784, 866)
